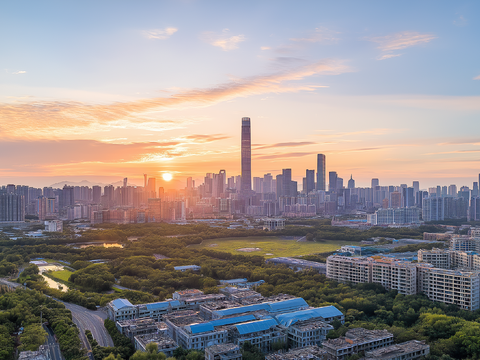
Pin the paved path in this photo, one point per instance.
(53, 346)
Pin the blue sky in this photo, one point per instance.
(384, 89)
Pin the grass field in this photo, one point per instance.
(269, 246)
(62, 274)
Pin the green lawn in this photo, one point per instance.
(62, 274)
(273, 246)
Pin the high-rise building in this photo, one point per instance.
(321, 172)
(97, 194)
(375, 182)
(246, 155)
(416, 187)
(268, 184)
(351, 183)
(309, 181)
(408, 197)
(452, 190)
(332, 181)
(287, 182)
(12, 207)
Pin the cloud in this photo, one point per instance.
(265, 48)
(388, 56)
(47, 119)
(285, 144)
(460, 21)
(283, 156)
(320, 34)
(160, 34)
(400, 41)
(201, 139)
(223, 40)
(19, 72)
(476, 77)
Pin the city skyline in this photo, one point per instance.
(387, 91)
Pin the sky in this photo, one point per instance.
(102, 90)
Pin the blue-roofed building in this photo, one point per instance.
(121, 309)
(272, 307)
(309, 327)
(158, 309)
(233, 281)
(187, 267)
(261, 333)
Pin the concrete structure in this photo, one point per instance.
(164, 343)
(132, 328)
(185, 294)
(397, 216)
(271, 224)
(43, 353)
(355, 341)
(299, 264)
(122, 309)
(408, 350)
(54, 225)
(391, 273)
(261, 333)
(439, 258)
(352, 249)
(309, 352)
(223, 352)
(272, 308)
(187, 267)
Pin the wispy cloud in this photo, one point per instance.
(54, 118)
(18, 72)
(283, 155)
(460, 21)
(400, 41)
(265, 48)
(320, 34)
(285, 144)
(476, 77)
(160, 34)
(223, 40)
(202, 139)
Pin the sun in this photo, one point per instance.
(167, 176)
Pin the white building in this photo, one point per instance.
(54, 225)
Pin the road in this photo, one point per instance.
(9, 283)
(53, 346)
(90, 320)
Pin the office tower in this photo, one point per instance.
(231, 182)
(396, 199)
(144, 182)
(444, 191)
(246, 155)
(12, 207)
(190, 183)
(416, 186)
(321, 172)
(408, 197)
(332, 181)
(279, 185)
(151, 188)
(339, 183)
(287, 182)
(268, 184)
(161, 192)
(258, 185)
(96, 194)
(351, 183)
(452, 190)
(475, 189)
(309, 181)
(375, 182)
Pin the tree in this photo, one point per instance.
(112, 357)
(151, 353)
(33, 336)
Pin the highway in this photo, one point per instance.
(90, 320)
(53, 346)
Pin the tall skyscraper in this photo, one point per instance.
(332, 181)
(309, 181)
(246, 155)
(321, 172)
(416, 187)
(375, 182)
(351, 183)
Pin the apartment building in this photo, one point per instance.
(223, 352)
(134, 327)
(439, 258)
(346, 269)
(390, 273)
(355, 341)
(461, 288)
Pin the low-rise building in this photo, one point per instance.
(409, 350)
(261, 333)
(134, 327)
(165, 344)
(271, 224)
(355, 341)
(223, 352)
(121, 309)
(309, 352)
(187, 267)
(43, 353)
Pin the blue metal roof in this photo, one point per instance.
(121, 303)
(157, 305)
(210, 326)
(323, 312)
(255, 326)
(174, 302)
(186, 267)
(288, 305)
(242, 309)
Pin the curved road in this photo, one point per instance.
(90, 320)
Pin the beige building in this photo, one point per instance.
(346, 269)
(439, 258)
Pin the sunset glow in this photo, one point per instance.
(379, 92)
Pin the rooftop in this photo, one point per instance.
(221, 348)
(161, 340)
(137, 322)
(357, 336)
(118, 304)
(184, 318)
(397, 350)
(322, 312)
(211, 325)
(309, 352)
(256, 326)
